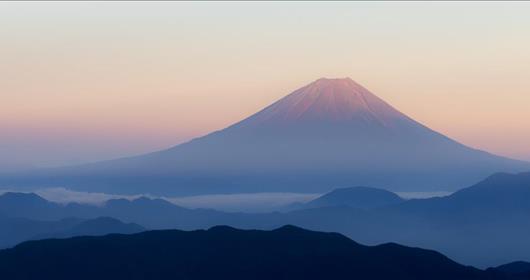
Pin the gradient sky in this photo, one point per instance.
(84, 81)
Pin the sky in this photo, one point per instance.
(88, 81)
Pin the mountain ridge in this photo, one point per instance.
(285, 253)
(458, 225)
(365, 198)
(332, 138)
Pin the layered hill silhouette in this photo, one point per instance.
(515, 267)
(16, 230)
(95, 227)
(227, 253)
(355, 197)
(515, 270)
(484, 225)
(330, 133)
(151, 213)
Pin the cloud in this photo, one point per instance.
(248, 202)
(243, 202)
(421, 195)
(63, 195)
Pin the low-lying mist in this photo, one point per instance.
(238, 202)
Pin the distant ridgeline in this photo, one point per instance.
(483, 225)
(222, 252)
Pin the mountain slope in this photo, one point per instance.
(14, 204)
(151, 213)
(515, 268)
(226, 253)
(330, 133)
(483, 225)
(356, 197)
(95, 227)
(16, 230)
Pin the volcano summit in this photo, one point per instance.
(328, 134)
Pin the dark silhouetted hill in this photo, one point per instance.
(484, 225)
(515, 267)
(226, 253)
(515, 270)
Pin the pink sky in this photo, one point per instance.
(89, 81)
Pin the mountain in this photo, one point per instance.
(226, 253)
(151, 213)
(16, 230)
(23, 204)
(330, 133)
(502, 196)
(356, 197)
(95, 227)
(482, 225)
(516, 268)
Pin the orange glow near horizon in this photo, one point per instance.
(115, 79)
